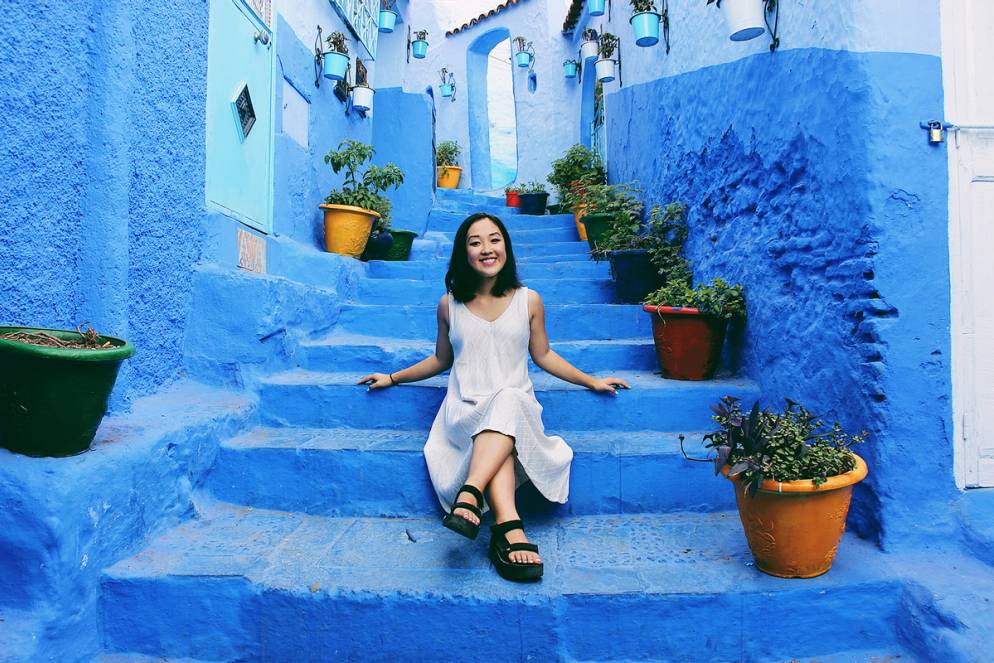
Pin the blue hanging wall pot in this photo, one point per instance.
(569, 69)
(524, 58)
(595, 7)
(446, 90)
(388, 20)
(419, 49)
(646, 28)
(335, 65)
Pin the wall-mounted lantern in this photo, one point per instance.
(417, 43)
(526, 52)
(448, 86)
(388, 15)
(571, 68)
(596, 7)
(589, 47)
(748, 19)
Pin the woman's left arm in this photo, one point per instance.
(547, 359)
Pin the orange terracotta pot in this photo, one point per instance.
(578, 213)
(794, 528)
(346, 229)
(448, 176)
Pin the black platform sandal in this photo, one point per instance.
(500, 554)
(460, 524)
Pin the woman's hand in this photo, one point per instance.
(609, 385)
(377, 381)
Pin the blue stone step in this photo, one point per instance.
(350, 352)
(535, 235)
(429, 248)
(334, 400)
(553, 291)
(469, 197)
(565, 322)
(251, 584)
(450, 221)
(350, 472)
(501, 211)
(434, 270)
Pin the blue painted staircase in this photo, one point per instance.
(318, 536)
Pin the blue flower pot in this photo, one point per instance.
(419, 49)
(596, 7)
(569, 70)
(646, 28)
(446, 90)
(533, 203)
(335, 65)
(524, 58)
(388, 19)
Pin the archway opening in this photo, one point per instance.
(492, 113)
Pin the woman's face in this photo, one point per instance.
(485, 248)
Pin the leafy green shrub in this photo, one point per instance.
(780, 446)
(532, 187)
(640, 6)
(718, 299)
(512, 188)
(663, 239)
(365, 192)
(608, 44)
(578, 164)
(338, 43)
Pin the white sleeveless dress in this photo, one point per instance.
(489, 389)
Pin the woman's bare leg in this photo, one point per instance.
(490, 450)
(500, 494)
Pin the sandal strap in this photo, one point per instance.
(474, 491)
(469, 507)
(527, 547)
(504, 528)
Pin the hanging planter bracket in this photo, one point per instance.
(772, 7)
(318, 59)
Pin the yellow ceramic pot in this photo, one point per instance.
(794, 527)
(448, 176)
(346, 229)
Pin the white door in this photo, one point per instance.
(967, 53)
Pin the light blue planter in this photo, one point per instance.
(335, 65)
(524, 58)
(388, 20)
(419, 49)
(646, 28)
(446, 90)
(595, 7)
(569, 70)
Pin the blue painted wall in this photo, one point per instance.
(797, 180)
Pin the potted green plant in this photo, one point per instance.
(447, 164)
(645, 22)
(512, 195)
(604, 67)
(578, 167)
(349, 212)
(644, 258)
(419, 47)
(746, 19)
(54, 387)
(589, 48)
(793, 477)
(533, 198)
(388, 15)
(604, 206)
(336, 58)
(689, 324)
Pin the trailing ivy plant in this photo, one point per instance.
(364, 192)
(338, 43)
(643, 6)
(579, 163)
(718, 298)
(608, 44)
(663, 237)
(791, 445)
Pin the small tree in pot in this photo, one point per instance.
(793, 478)
(689, 324)
(605, 206)
(349, 212)
(448, 170)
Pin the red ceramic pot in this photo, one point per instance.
(512, 199)
(688, 343)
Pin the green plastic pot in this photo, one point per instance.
(598, 227)
(52, 400)
(401, 247)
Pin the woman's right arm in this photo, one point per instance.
(428, 367)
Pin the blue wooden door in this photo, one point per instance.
(240, 114)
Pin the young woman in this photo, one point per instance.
(488, 435)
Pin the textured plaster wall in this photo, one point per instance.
(795, 168)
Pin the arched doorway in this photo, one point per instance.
(492, 113)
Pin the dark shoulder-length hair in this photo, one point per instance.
(462, 280)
